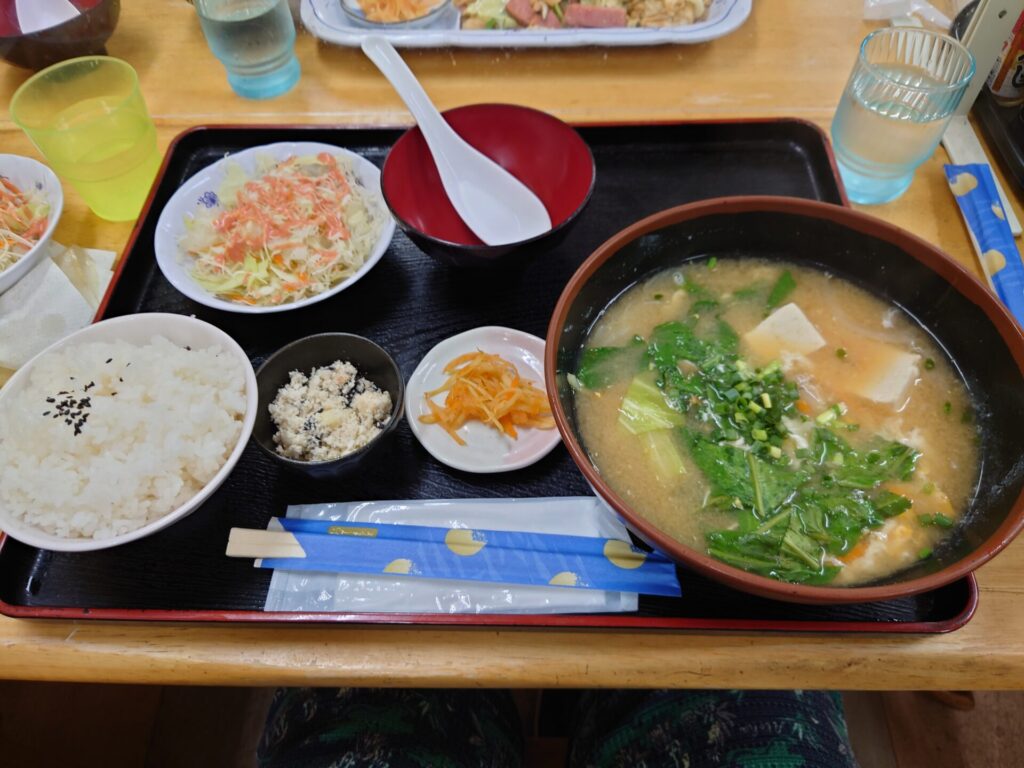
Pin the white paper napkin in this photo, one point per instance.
(308, 591)
(45, 305)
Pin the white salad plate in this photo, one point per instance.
(26, 173)
(202, 191)
(327, 20)
(486, 449)
(137, 329)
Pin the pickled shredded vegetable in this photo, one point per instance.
(24, 217)
(388, 11)
(304, 225)
(487, 388)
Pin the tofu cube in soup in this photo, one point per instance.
(786, 330)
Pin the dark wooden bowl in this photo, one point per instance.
(962, 315)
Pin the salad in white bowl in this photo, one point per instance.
(274, 228)
(31, 200)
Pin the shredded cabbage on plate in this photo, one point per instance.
(295, 229)
(24, 216)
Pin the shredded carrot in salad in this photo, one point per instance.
(304, 225)
(388, 11)
(24, 217)
(487, 388)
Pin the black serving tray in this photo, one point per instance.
(408, 303)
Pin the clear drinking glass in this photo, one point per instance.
(88, 118)
(899, 98)
(255, 41)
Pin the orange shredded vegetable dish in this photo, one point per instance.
(388, 11)
(487, 388)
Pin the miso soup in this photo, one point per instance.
(779, 418)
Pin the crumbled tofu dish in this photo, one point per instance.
(329, 414)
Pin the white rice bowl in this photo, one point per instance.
(145, 431)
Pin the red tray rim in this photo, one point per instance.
(558, 621)
(598, 621)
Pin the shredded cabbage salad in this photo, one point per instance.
(300, 227)
(24, 217)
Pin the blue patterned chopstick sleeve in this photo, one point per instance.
(975, 191)
(513, 557)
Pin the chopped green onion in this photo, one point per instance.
(825, 417)
(925, 553)
(947, 407)
(766, 399)
(712, 262)
(928, 487)
(775, 452)
(938, 519)
(755, 408)
(841, 353)
(659, 296)
(759, 434)
(833, 413)
(928, 363)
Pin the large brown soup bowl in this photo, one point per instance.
(961, 314)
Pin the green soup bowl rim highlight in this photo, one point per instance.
(49, 128)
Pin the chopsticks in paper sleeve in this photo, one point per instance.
(511, 557)
(976, 194)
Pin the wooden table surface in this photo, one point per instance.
(791, 58)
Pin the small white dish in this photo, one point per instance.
(486, 449)
(137, 329)
(201, 191)
(26, 174)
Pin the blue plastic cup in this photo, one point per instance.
(255, 41)
(896, 105)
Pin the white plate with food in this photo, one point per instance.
(477, 403)
(31, 200)
(120, 430)
(537, 23)
(274, 228)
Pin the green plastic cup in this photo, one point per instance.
(88, 118)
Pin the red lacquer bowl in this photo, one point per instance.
(83, 35)
(538, 149)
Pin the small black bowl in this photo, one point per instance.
(84, 35)
(314, 352)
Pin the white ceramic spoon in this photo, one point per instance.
(498, 207)
(34, 15)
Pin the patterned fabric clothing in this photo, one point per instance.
(370, 728)
(711, 729)
(363, 728)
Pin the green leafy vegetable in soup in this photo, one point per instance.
(743, 432)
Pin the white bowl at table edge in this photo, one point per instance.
(185, 200)
(26, 173)
(138, 329)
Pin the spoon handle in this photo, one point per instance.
(432, 125)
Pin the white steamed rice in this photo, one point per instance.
(161, 421)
